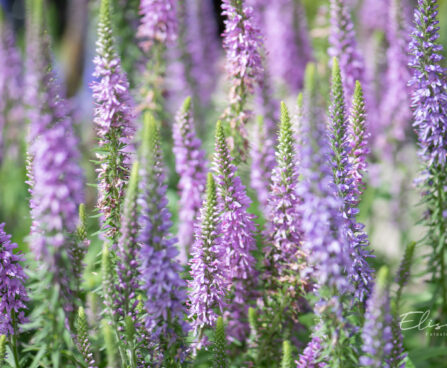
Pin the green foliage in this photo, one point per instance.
(287, 360)
(220, 345)
(2, 348)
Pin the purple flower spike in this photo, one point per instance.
(209, 284)
(395, 107)
(114, 123)
(429, 85)
(191, 165)
(285, 218)
(287, 41)
(160, 272)
(310, 355)
(344, 47)
(13, 295)
(377, 332)
(158, 22)
(237, 230)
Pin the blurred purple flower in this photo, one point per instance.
(158, 22)
(310, 355)
(191, 165)
(13, 295)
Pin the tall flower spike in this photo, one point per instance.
(237, 229)
(377, 334)
(429, 99)
(287, 42)
(82, 339)
(285, 218)
(190, 164)
(242, 43)
(345, 176)
(114, 124)
(127, 253)
(358, 138)
(158, 22)
(11, 90)
(310, 355)
(208, 285)
(13, 296)
(395, 107)
(160, 272)
(344, 47)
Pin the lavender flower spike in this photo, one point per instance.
(114, 123)
(13, 296)
(377, 332)
(429, 83)
(237, 229)
(242, 43)
(310, 355)
(158, 22)
(429, 99)
(209, 284)
(344, 47)
(358, 138)
(127, 252)
(345, 179)
(191, 165)
(285, 226)
(160, 272)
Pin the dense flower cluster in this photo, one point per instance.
(160, 271)
(344, 47)
(429, 83)
(12, 291)
(310, 355)
(190, 164)
(209, 284)
(237, 230)
(242, 43)
(114, 122)
(158, 22)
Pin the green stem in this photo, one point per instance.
(442, 231)
(13, 341)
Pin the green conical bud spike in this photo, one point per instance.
(253, 320)
(186, 107)
(338, 113)
(220, 345)
(299, 101)
(211, 196)
(110, 344)
(358, 112)
(107, 278)
(82, 338)
(287, 361)
(310, 79)
(403, 274)
(382, 279)
(132, 187)
(2, 348)
(82, 225)
(150, 134)
(220, 135)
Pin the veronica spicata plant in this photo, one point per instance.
(429, 99)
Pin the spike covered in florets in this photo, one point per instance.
(209, 283)
(190, 164)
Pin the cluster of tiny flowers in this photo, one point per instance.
(190, 164)
(209, 284)
(429, 85)
(159, 270)
(113, 119)
(286, 41)
(284, 226)
(242, 43)
(344, 47)
(237, 229)
(395, 108)
(377, 333)
(56, 177)
(158, 22)
(11, 88)
(202, 46)
(13, 295)
(310, 355)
